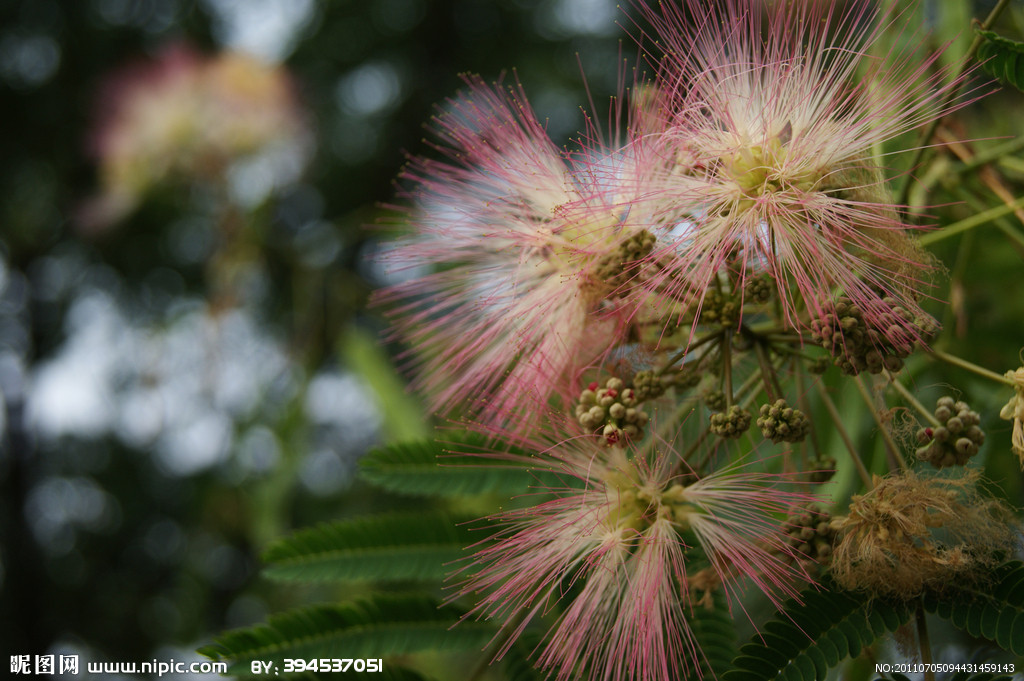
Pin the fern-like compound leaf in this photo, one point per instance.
(814, 635)
(389, 547)
(1002, 58)
(450, 468)
(991, 609)
(374, 627)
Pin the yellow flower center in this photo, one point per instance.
(765, 169)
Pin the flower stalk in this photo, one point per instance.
(972, 367)
(933, 125)
(844, 435)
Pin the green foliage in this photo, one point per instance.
(807, 639)
(993, 610)
(386, 547)
(429, 468)
(517, 662)
(403, 419)
(1002, 58)
(370, 628)
(715, 632)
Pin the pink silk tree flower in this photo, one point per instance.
(519, 256)
(189, 118)
(773, 116)
(624, 553)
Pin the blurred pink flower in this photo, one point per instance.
(773, 118)
(186, 117)
(523, 252)
(627, 550)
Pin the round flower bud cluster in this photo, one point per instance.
(811, 534)
(818, 365)
(720, 308)
(648, 385)
(759, 289)
(714, 400)
(685, 378)
(956, 440)
(779, 422)
(732, 423)
(857, 345)
(619, 267)
(611, 411)
(822, 469)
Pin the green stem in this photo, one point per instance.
(951, 95)
(970, 223)
(845, 436)
(1001, 223)
(805, 407)
(990, 155)
(913, 401)
(747, 389)
(664, 429)
(894, 451)
(951, 315)
(781, 338)
(687, 350)
(693, 450)
(974, 368)
(711, 450)
(727, 369)
(790, 350)
(767, 374)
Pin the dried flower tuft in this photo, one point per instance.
(910, 533)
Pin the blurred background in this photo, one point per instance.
(188, 369)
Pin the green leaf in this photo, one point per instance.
(715, 633)
(1002, 58)
(386, 547)
(807, 639)
(404, 417)
(993, 610)
(375, 627)
(428, 468)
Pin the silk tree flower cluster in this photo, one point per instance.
(185, 117)
(735, 240)
(630, 546)
(744, 157)
(772, 127)
(534, 255)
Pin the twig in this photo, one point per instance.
(865, 476)
(890, 444)
(687, 350)
(972, 367)
(970, 223)
(906, 394)
(954, 91)
(727, 369)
